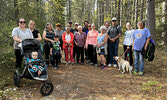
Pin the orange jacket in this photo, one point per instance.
(64, 40)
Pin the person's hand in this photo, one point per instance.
(52, 41)
(145, 48)
(128, 48)
(98, 45)
(76, 43)
(51, 53)
(39, 73)
(112, 40)
(132, 48)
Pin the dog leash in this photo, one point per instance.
(124, 53)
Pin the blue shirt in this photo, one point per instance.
(140, 37)
(100, 39)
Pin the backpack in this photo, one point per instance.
(116, 28)
(149, 54)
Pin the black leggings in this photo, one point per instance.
(55, 57)
(80, 51)
(47, 52)
(19, 58)
(92, 55)
(130, 54)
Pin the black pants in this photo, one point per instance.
(74, 51)
(80, 51)
(92, 54)
(130, 54)
(55, 57)
(108, 53)
(19, 58)
(86, 54)
(47, 52)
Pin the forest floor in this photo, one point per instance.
(91, 83)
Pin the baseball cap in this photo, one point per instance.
(114, 19)
(76, 23)
(58, 24)
(70, 21)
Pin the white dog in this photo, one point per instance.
(123, 64)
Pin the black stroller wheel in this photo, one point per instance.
(46, 88)
(16, 78)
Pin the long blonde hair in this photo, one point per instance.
(31, 21)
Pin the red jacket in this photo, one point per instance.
(64, 40)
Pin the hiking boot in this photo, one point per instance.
(135, 72)
(141, 73)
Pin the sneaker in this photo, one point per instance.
(91, 64)
(96, 65)
(104, 67)
(66, 63)
(109, 65)
(131, 67)
(141, 73)
(135, 72)
(115, 65)
(56, 67)
(101, 66)
(72, 63)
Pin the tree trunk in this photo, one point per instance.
(16, 9)
(164, 21)
(133, 12)
(119, 4)
(136, 13)
(121, 12)
(150, 18)
(141, 11)
(69, 9)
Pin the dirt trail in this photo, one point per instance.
(91, 83)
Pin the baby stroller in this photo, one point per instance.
(27, 47)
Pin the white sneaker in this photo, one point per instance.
(109, 65)
(131, 68)
(115, 65)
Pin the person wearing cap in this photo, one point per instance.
(114, 32)
(75, 48)
(70, 25)
(59, 32)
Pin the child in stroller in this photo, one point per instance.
(36, 70)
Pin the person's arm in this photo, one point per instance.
(39, 37)
(133, 44)
(147, 42)
(44, 37)
(50, 51)
(15, 38)
(87, 39)
(63, 38)
(105, 40)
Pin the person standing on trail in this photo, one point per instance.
(106, 48)
(35, 32)
(18, 34)
(114, 32)
(101, 41)
(48, 36)
(91, 45)
(80, 39)
(85, 29)
(75, 48)
(128, 42)
(59, 32)
(141, 39)
(68, 38)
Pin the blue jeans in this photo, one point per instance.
(139, 57)
(113, 51)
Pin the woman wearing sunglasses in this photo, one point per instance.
(19, 33)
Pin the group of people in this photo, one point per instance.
(85, 43)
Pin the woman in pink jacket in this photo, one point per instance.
(91, 45)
